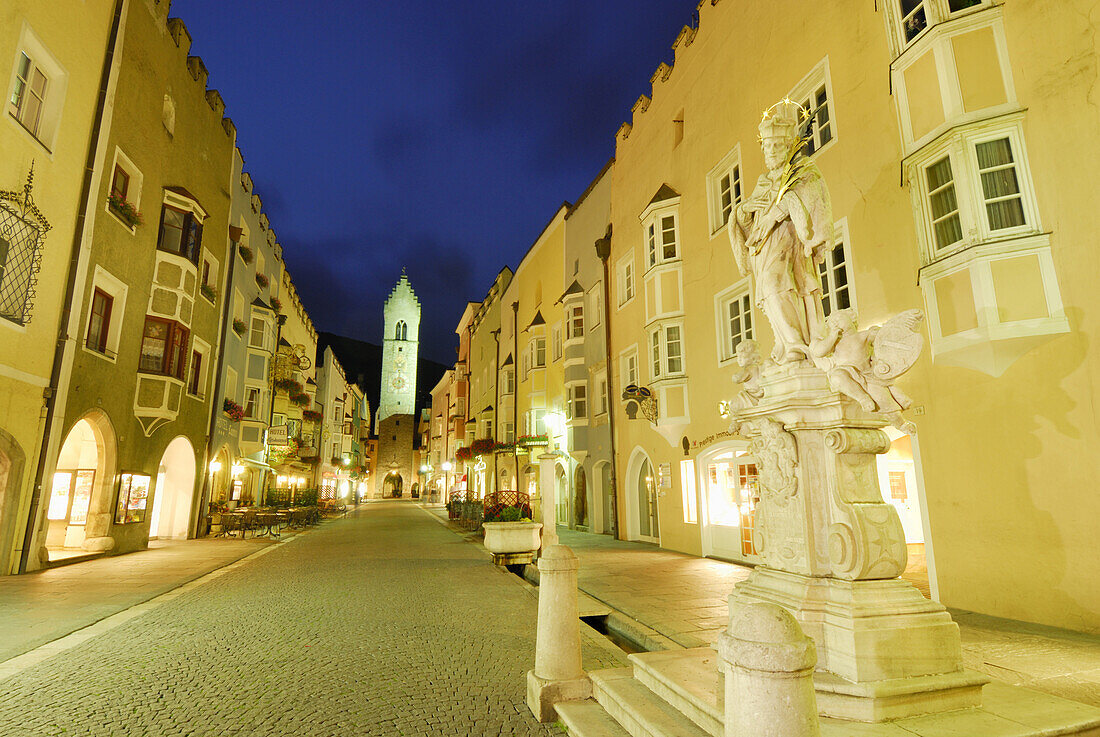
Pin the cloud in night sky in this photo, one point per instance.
(437, 136)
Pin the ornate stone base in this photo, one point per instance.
(884, 651)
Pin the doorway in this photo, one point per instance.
(727, 475)
(79, 468)
(393, 486)
(561, 496)
(174, 493)
(642, 499)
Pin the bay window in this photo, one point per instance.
(180, 233)
(163, 348)
(666, 351)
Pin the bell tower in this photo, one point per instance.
(395, 422)
(399, 349)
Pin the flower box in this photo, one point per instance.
(482, 446)
(239, 326)
(125, 212)
(234, 410)
(311, 415)
(509, 538)
(533, 441)
(262, 280)
(246, 254)
(463, 454)
(277, 304)
(209, 292)
(300, 400)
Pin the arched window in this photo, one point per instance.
(400, 330)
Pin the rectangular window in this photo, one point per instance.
(509, 432)
(687, 489)
(674, 362)
(540, 353)
(601, 395)
(914, 18)
(133, 493)
(508, 377)
(946, 226)
(555, 339)
(630, 369)
(576, 321)
(897, 486)
(626, 281)
(1000, 184)
(818, 129)
(258, 332)
(835, 284)
(195, 382)
(739, 316)
(163, 348)
(729, 193)
(252, 402)
(120, 183)
(28, 98)
(655, 347)
(180, 233)
(661, 239)
(579, 407)
(99, 324)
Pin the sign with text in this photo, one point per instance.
(277, 435)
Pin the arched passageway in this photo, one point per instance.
(175, 491)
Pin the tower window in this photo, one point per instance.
(400, 330)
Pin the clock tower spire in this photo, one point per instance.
(399, 351)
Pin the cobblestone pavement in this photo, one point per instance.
(384, 623)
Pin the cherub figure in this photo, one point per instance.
(777, 452)
(847, 355)
(748, 358)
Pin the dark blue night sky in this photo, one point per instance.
(440, 136)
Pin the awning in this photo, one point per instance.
(256, 464)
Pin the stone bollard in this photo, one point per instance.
(558, 675)
(769, 666)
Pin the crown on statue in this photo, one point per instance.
(783, 119)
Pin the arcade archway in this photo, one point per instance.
(175, 491)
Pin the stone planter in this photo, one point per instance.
(511, 541)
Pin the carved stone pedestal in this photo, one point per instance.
(832, 551)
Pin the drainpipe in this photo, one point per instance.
(49, 394)
(603, 250)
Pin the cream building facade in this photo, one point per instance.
(949, 132)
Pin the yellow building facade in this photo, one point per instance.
(53, 59)
(949, 133)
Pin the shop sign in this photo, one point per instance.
(277, 435)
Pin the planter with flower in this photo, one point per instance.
(511, 537)
(124, 211)
(533, 441)
(246, 254)
(311, 415)
(463, 454)
(300, 399)
(239, 326)
(234, 410)
(290, 386)
(482, 446)
(262, 280)
(209, 292)
(277, 304)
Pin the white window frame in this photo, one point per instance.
(602, 399)
(960, 146)
(574, 313)
(808, 87)
(939, 44)
(116, 289)
(840, 230)
(629, 372)
(258, 414)
(508, 381)
(215, 271)
(133, 190)
(626, 279)
(577, 396)
(556, 342)
(198, 345)
(738, 291)
(265, 329)
(728, 166)
(232, 384)
(595, 301)
(658, 357)
(935, 12)
(653, 245)
(57, 82)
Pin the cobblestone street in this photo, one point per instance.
(384, 623)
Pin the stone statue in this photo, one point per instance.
(863, 363)
(781, 232)
(748, 358)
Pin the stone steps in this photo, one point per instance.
(638, 710)
(689, 681)
(588, 719)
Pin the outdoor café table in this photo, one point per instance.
(269, 520)
(232, 521)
